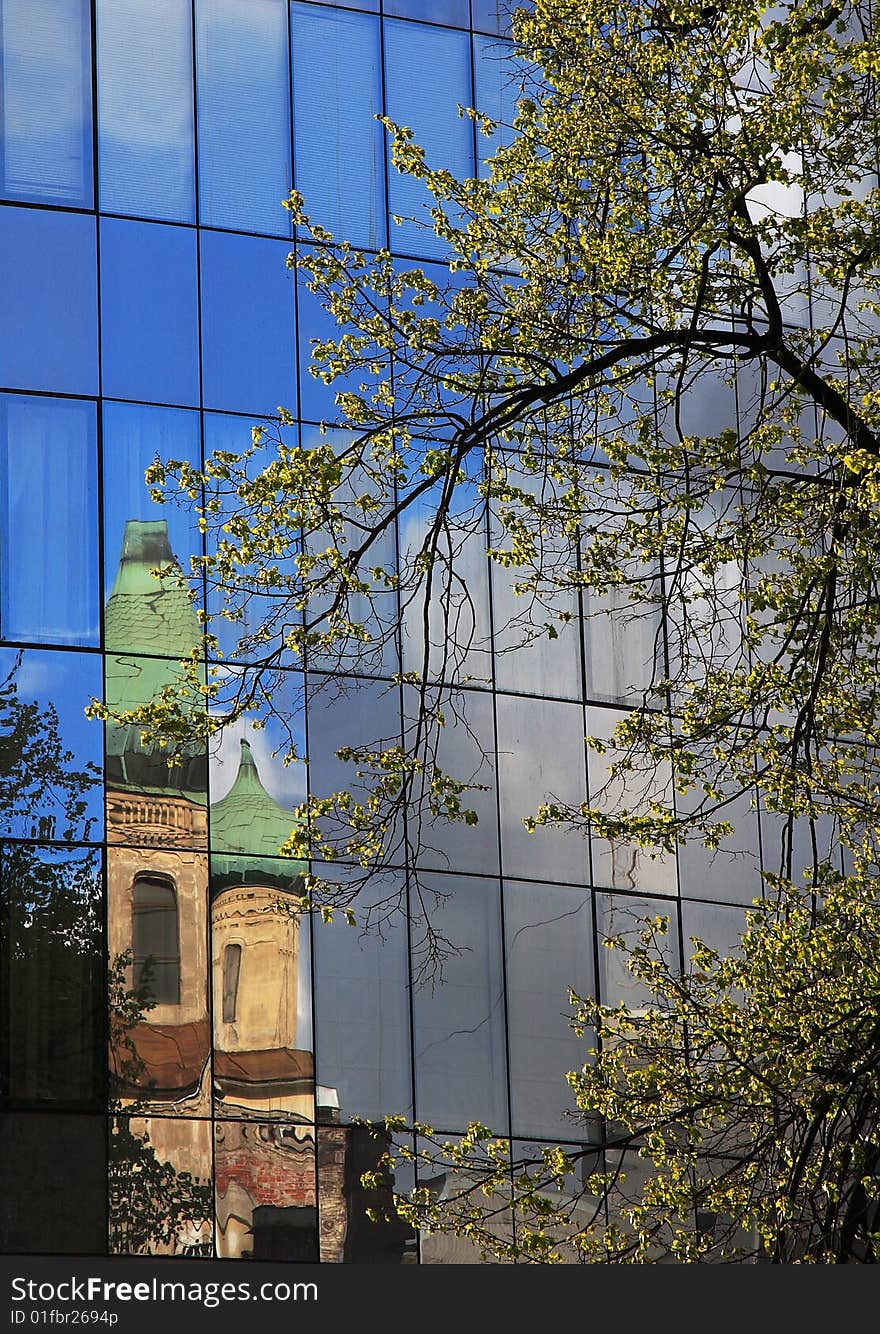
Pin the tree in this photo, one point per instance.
(684, 212)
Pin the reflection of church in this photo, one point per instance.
(239, 1110)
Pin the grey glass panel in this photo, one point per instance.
(348, 1235)
(541, 756)
(52, 976)
(160, 1190)
(248, 349)
(454, 12)
(548, 931)
(429, 105)
(717, 925)
(50, 785)
(134, 436)
(458, 1004)
(49, 312)
(244, 114)
(438, 1173)
(149, 306)
(464, 749)
(733, 870)
(46, 101)
(619, 916)
(621, 865)
(266, 1191)
(362, 1005)
(46, 1162)
(338, 145)
(349, 712)
(48, 573)
(145, 109)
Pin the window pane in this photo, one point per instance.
(348, 1233)
(48, 573)
(362, 1006)
(497, 86)
(548, 932)
(177, 1217)
(458, 1012)
(244, 114)
(338, 146)
(46, 116)
(145, 108)
(454, 12)
(149, 312)
(53, 1176)
(248, 344)
(133, 436)
(49, 311)
(156, 940)
(52, 976)
(540, 756)
(429, 105)
(51, 754)
(266, 1191)
(621, 917)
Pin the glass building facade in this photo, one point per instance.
(147, 309)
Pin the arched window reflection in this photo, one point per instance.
(156, 939)
(231, 971)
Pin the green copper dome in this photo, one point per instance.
(149, 625)
(247, 826)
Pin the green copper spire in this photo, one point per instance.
(247, 826)
(145, 614)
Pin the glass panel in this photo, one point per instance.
(430, 107)
(541, 756)
(717, 925)
(620, 916)
(497, 87)
(263, 1054)
(150, 270)
(732, 871)
(338, 146)
(623, 865)
(362, 1005)
(53, 1177)
(135, 435)
(548, 930)
(266, 1196)
(50, 787)
(160, 1053)
(46, 101)
(458, 1001)
(145, 109)
(49, 311)
(465, 750)
(454, 12)
(244, 114)
(48, 572)
(248, 349)
(160, 1187)
(348, 1235)
(314, 324)
(494, 15)
(52, 976)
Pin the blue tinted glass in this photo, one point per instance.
(149, 308)
(48, 513)
(248, 351)
(338, 146)
(145, 108)
(317, 400)
(244, 114)
(428, 73)
(52, 754)
(133, 436)
(494, 15)
(46, 101)
(430, 11)
(496, 90)
(48, 311)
